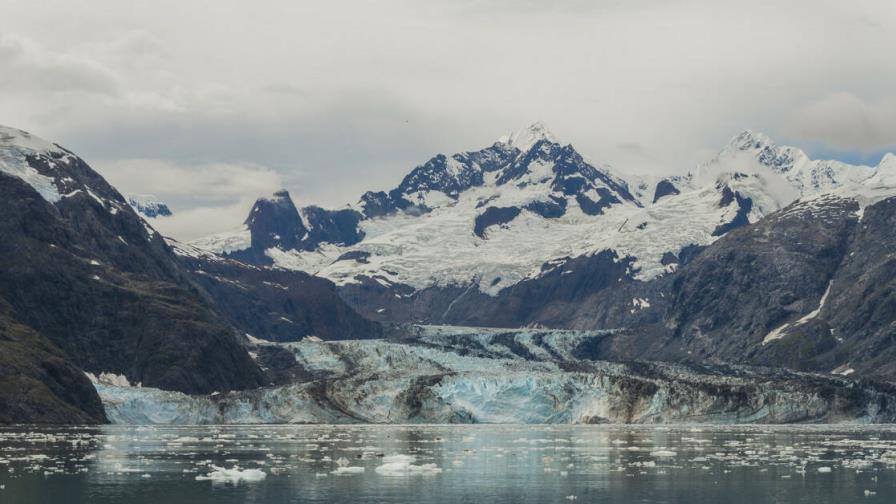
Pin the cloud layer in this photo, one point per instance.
(338, 97)
(846, 122)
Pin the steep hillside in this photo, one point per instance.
(83, 270)
(809, 288)
(38, 382)
(271, 303)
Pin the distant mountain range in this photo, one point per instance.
(751, 255)
(759, 256)
(520, 208)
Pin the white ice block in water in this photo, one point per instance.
(342, 471)
(232, 476)
(403, 465)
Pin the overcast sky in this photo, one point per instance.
(210, 104)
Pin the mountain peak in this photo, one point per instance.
(274, 221)
(525, 138)
(13, 137)
(281, 195)
(749, 139)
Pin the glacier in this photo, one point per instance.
(441, 374)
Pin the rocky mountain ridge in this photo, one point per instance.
(480, 228)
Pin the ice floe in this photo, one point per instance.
(403, 465)
(232, 476)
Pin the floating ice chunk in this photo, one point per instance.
(232, 476)
(663, 453)
(824, 469)
(345, 470)
(403, 465)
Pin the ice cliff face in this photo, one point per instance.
(456, 375)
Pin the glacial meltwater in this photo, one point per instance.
(448, 464)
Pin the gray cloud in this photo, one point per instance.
(846, 122)
(205, 198)
(204, 183)
(336, 98)
(29, 69)
(196, 222)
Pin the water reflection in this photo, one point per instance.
(505, 464)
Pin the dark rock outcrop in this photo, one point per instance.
(664, 188)
(740, 219)
(493, 216)
(275, 221)
(551, 209)
(339, 227)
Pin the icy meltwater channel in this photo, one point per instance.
(463, 464)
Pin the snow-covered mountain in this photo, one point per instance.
(148, 205)
(751, 152)
(528, 204)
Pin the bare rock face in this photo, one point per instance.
(757, 278)
(857, 319)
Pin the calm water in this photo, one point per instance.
(464, 464)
